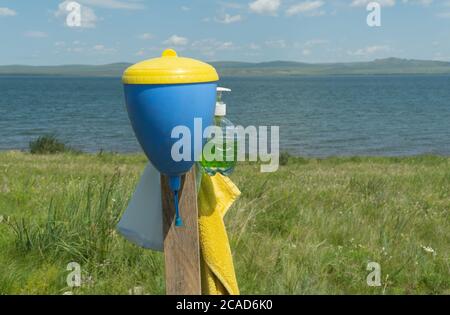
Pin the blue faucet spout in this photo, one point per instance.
(175, 186)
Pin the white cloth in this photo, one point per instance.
(142, 223)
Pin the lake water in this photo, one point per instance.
(318, 116)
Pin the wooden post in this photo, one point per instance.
(181, 244)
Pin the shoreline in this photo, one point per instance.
(353, 158)
(235, 76)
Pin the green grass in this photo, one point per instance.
(309, 228)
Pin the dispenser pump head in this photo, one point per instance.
(221, 107)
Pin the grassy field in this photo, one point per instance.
(310, 228)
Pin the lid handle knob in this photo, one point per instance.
(169, 53)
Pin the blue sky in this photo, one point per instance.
(35, 32)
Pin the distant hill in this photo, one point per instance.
(273, 68)
(379, 66)
(109, 70)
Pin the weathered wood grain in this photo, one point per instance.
(181, 244)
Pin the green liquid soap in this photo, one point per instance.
(225, 149)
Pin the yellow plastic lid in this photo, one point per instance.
(170, 69)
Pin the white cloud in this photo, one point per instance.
(231, 5)
(185, 8)
(420, 2)
(114, 4)
(60, 44)
(363, 3)
(176, 41)
(254, 46)
(278, 43)
(390, 3)
(145, 36)
(210, 46)
(36, 34)
(99, 48)
(80, 47)
(225, 46)
(88, 17)
(309, 7)
(7, 12)
(265, 6)
(308, 47)
(370, 50)
(228, 19)
(315, 42)
(72, 47)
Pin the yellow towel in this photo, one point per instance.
(215, 197)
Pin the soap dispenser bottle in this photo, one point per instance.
(226, 147)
